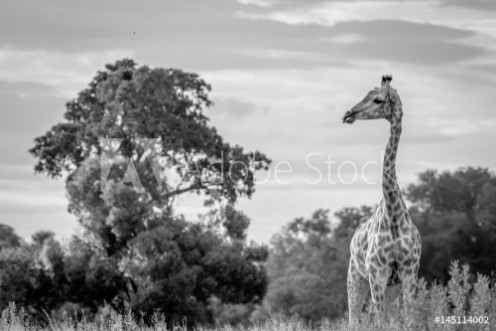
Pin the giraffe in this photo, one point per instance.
(385, 250)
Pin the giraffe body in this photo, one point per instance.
(385, 250)
(381, 258)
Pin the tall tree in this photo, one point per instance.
(139, 252)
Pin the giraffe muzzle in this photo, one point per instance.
(349, 117)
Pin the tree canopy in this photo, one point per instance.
(456, 216)
(308, 264)
(136, 251)
(128, 102)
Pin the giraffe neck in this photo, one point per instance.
(390, 186)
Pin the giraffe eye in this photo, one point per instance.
(378, 101)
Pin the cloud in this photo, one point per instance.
(386, 40)
(291, 57)
(473, 4)
(96, 25)
(488, 69)
(318, 33)
(26, 221)
(27, 111)
(348, 38)
(19, 189)
(464, 126)
(259, 3)
(61, 74)
(400, 41)
(330, 13)
(234, 108)
(25, 89)
(12, 201)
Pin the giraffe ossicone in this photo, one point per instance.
(385, 250)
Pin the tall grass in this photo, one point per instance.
(464, 296)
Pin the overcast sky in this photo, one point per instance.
(283, 73)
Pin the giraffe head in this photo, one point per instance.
(378, 103)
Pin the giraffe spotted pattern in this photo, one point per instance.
(385, 250)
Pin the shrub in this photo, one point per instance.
(465, 296)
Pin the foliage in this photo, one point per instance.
(455, 213)
(186, 266)
(17, 275)
(136, 252)
(129, 102)
(456, 216)
(29, 274)
(308, 264)
(465, 297)
(8, 237)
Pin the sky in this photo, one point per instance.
(283, 73)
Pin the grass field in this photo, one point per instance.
(468, 302)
